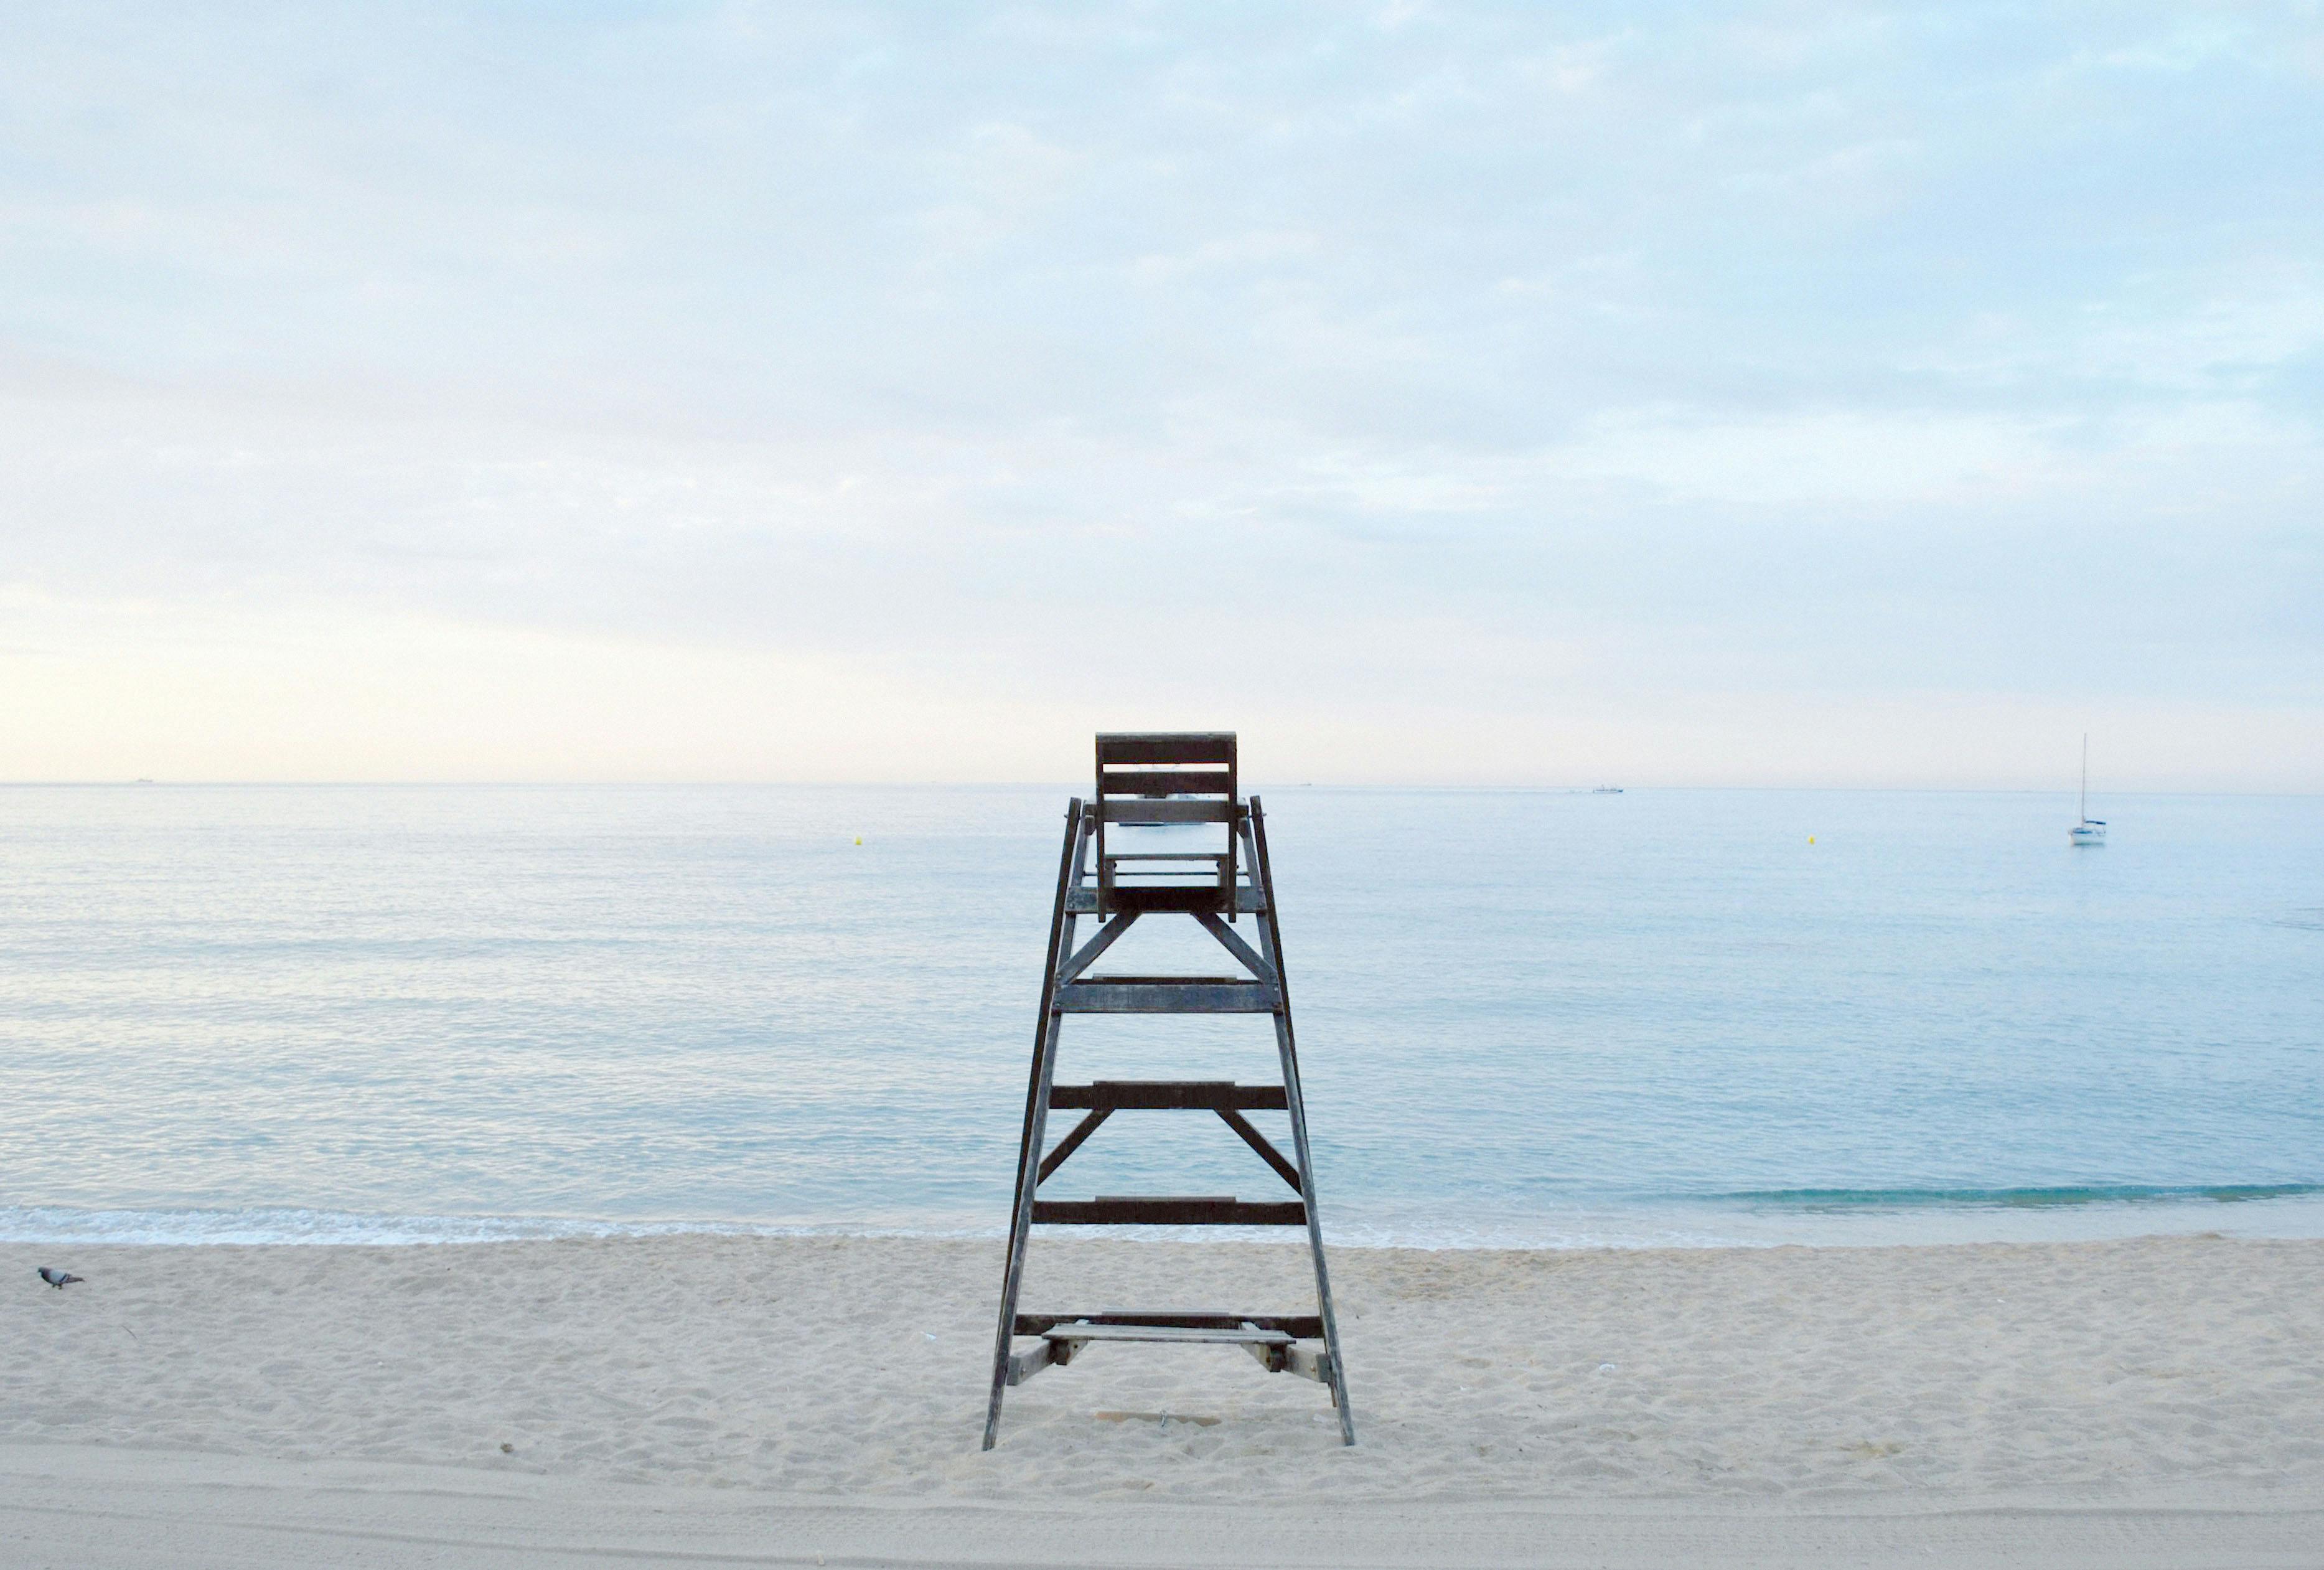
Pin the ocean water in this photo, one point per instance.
(393, 1013)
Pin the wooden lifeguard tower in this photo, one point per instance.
(1144, 779)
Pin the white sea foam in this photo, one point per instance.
(66, 1225)
(1645, 1225)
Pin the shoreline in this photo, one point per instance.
(2280, 1211)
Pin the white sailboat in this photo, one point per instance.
(2091, 830)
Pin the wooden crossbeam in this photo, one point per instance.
(1309, 1363)
(1199, 780)
(1299, 1326)
(1167, 1210)
(1073, 1141)
(1182, 898)
(1173, 809)
(1258, 1141)
(1168, 1095)
(1278, 1350)
(1107, 935)
(1218, 1335)
(1165, 747)
(1165, 994)
(1024, 1365)
(1234, 945)
(1106, 1097)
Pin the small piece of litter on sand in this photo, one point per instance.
(507, 1448)
(1156, 1417)
(1605, 1368)
(929, 1334)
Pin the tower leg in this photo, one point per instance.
(1037, 1112)
(1270, 935)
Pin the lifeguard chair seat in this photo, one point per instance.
(1149, 779)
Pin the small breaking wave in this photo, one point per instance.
(33, 1223)
(2019, 1198)
(1743, 1218)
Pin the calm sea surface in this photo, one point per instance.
(387, 1012)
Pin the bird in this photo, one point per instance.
(60, 1279)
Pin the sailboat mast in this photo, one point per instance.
(2086, 776)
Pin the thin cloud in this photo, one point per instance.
(1566, 376)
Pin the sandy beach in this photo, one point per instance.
(768, 1400)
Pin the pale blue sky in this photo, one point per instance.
(1455, 394)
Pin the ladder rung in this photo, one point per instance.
(1167, 1094)
(1168, 1210)
(1237, 1336)
(1302, 1326)
(1165, 994)
(1083, 900)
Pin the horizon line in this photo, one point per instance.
(1481, 789)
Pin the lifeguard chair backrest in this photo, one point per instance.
(1166, 777)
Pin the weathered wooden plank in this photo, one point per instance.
(1107, 935)
(1229, 940)
(1309, 1363)
(1175, 809)
(1024, 1365)
(1300, 1327)
(1206, 779)
(1168, 1095)
(1271, 1357)
(1070, 864)
(1073, 1140)
(1248, 901)
(1235, 1335)
(1167, 1210)
(1166, 747)
(1260, 1143)
(1160, 994)
(1270, 937)
(1162, 887)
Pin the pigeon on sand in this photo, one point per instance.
(60, 1279)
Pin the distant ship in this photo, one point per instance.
(1607, 791)
(2091, 830)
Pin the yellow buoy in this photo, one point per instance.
(859, 839)
(1811, 840)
